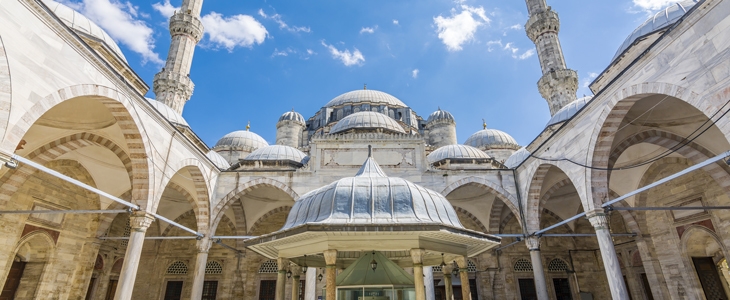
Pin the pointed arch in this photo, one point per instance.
(6, 90)
(500, 193)
(264, 218)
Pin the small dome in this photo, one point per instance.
(218, 160)
(241, 139)
(367, 120)
(517, 158)
(491, 139)
(440, 115)
(81, 23)
(371, 197)
(365, 96)
(167, 112)
(277, 152)
(569, 110)
(662, 19)
(456, 152)
(292, 116)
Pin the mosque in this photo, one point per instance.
(106, 194)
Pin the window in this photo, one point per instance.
(173, 290)
(557, 265)
(267, 290)
(177, 268)
(562, 289)
(527, 288)
(210, 289)
(523, 265)
(302, 284)
(213, 267)
(269, 266)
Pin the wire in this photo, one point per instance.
(681, 144)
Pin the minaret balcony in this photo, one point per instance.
(186, 24)
(542, 22)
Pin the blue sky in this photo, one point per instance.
(472, 58)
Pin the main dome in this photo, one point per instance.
(367, 120)
(492, 139)
(365, 96)
(82, 24)
(371, 197)
(658, 21)
(241, 139)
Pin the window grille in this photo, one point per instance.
(471, 266)
(437, 269)
(177, 268)
(269, 266)
(127, 231)
(523, 265)
(213, 267)
(557, 265)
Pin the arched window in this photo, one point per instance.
(213, 267)
(436, 269)
(557, 265)
(471, 266)
(269, 266)
(523, 265)
(177, 268)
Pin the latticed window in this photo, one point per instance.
(177, 268)
(269, 266)
(213, 267)
(557, 265)
(471, 266)
(523, 265)
(127, 231)
(437, 269)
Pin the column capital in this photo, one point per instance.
(140, 220)
(447, 269)
(203, 245)
(533, 243)
(282, 264)
(330, 257)
(461, 262)
(598, 218)
(296, 270)
(417, 255)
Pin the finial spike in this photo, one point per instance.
(365, 87)
(484, 124)
(248, 126)
(370, 151)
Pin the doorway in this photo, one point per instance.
(13, 280)
(709, 278)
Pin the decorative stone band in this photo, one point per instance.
(598, 218)
(533, 243)
(169, 86)
(186, 24)
(542, 22)
(558, 83)
(140, 221)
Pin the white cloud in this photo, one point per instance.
(237, 30)
(118, 19)
(284, 52)
(653, 5)
(414, 73)
(492, 43)
(511, 48)
(395, 22)
(458, 29)
(515, 27)
(368, 29)
(310, 52)
(525, 55)
(346, 57)
(166, 9)
(283, 25)
(587, 81)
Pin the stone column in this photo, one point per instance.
(330, 258)
(447, 269)
(428, 278)
(598, 219)
(310, 290)
(139, 222)
(533, 244)
(201, 261)
(281, 278)
(295, 275)
(464, 276)
(417, 257)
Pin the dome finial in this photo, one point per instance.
(439, 108)
(370, 151)
(484, 124)
(365, 87)
(248, 126)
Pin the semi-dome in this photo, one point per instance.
(218, 160)
(440, 115)
(517, 158)
(292, 116)
(658, 21)
(492, 139)
(241, 139)
(366, 96)
(277, 152)
(167, 112)
(371, 197)
(367, 120)
(569, 110)
(456, 152)
(81, 23)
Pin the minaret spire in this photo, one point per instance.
(558, 83)
(172, 85)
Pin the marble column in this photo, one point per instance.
(310, 288)
(449, 286)
(598, 219)
(139, 222)
(295, 271)
(533, 244)
(330, 259)
(283, 263)
(464, 276)
(417, 257)
(201, 261)
(428, 279)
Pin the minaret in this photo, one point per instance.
(172, 85)
(558, 83)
